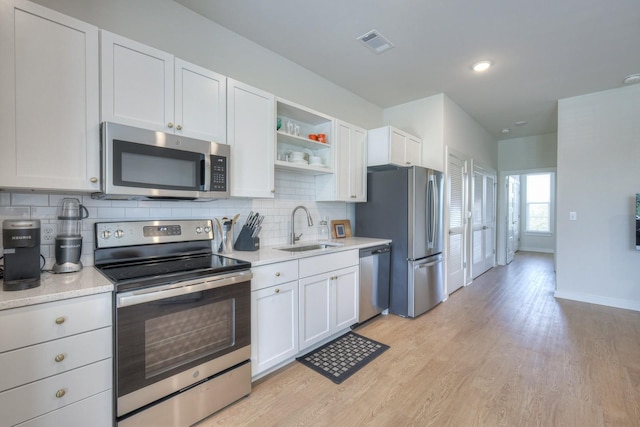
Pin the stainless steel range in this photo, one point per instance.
(182, 321)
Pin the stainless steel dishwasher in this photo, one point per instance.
(374, 281)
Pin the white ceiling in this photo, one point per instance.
(543, 50)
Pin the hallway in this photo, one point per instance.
(502, 351)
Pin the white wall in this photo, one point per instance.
(463, 134)
(167, 25)
(598, 177)
(527, 153)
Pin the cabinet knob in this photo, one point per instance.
(278, 274)
(179, 127)
(60, 320)
(169, 125)
(93, 179)
(273, 191)
(277, 291)
(408, 163)
(59, 358)
(60, 393)
(353, 196)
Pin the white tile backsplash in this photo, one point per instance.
(291, 190)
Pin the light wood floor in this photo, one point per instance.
(502, 351)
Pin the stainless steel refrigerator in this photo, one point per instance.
(407, 206)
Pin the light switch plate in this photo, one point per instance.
(573, 216)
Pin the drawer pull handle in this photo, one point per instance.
(59, 358)
(278, 274)
(60, 320)
(277, 291)
(60, 393)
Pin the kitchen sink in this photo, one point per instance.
(309, 247)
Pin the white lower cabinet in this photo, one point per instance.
(328, 304)
(56, 363)
(274, 315)
(274, 337)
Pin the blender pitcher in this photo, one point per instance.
(68, 246)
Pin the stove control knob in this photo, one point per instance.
(119, 234)
(207, 229)
(105, 234)
(198, 229)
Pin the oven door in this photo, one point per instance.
(171, 337)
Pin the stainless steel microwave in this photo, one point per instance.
(142, 164)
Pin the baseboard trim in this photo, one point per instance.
(595, 299)
(543, 250)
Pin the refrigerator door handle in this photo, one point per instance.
(429, 264)
(431, 209)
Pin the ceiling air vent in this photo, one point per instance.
(375, 41)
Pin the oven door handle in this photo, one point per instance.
(127, 299)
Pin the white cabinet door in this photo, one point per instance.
(315, 319)
(352, 167)
(274, 326)
(328, 304)
(388, 145)
(251, 135)
(345, 286)
(413, 151)
(358, 164)
(49, 98)
(397, 148)
(200, 102)
(137, 84)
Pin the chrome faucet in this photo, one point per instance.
(295, 238)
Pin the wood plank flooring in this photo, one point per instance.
(501, 352)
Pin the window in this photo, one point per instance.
(538, 203)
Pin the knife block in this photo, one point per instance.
(245, 242)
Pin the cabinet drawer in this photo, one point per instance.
(323, 263)
(34, 399)
(94, 411)
(40, 361)
(273, 274)
(44, 322)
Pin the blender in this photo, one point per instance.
(68, 246)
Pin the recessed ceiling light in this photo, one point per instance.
(481, 66)
(505, 130)
(630, 79)
(520, 123)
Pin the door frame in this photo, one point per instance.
(501, 219)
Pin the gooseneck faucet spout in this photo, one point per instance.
(295, 238)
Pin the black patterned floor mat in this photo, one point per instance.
(343, 357)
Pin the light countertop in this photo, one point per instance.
(270, 255)
(54, 287)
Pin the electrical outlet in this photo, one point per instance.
(47, 233)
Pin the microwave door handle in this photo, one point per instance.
(203, 177)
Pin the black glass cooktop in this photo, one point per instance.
(145, 273)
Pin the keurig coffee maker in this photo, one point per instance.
(21, 243)
(68, 245)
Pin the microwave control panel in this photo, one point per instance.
(218, 173)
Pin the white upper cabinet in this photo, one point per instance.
(49, 97)
(251, 135)
(349, 183)
(148, 88)
(390, 146)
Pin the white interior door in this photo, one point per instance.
(456, 263)
(483, 220)
(513, 216)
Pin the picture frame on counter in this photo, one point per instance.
(341, 228)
